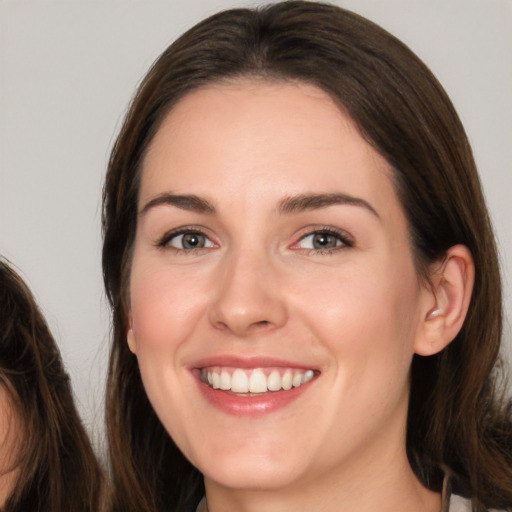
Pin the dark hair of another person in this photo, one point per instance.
(458, 420)
(58, 471)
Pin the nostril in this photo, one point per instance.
(261, 323)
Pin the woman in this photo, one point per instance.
(304, 281)
(47, 463)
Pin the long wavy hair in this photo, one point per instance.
(56, 469)
(458, 420)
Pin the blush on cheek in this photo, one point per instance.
(164, 311)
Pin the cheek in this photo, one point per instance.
(165, 307)
(366, 314)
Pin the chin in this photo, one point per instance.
(252, 474)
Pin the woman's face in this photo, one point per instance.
(275, 305)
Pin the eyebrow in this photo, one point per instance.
(292, 204)
(306, 202)
(183, 201)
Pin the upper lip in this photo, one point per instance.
(249, 362)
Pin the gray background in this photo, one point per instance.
(67, 72)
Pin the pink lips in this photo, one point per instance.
(248, 404)
(248, 362)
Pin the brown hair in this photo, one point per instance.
(456, 418)
(57, 469)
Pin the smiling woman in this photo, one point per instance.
(304, 282)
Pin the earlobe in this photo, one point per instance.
(450, 295)
(130, 336)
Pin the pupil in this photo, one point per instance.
(193, 241)
(323, 240)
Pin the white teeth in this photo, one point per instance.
(259, 380)
(239, 382)
(297, 380)
(287, 380)
(225, 381)
(274, 381)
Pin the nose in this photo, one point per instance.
(249, 297)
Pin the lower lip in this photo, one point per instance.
(255, 405)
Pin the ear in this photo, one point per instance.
(447, 302)
(130, 336)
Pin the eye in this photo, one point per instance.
(187, 240)
(324, 240)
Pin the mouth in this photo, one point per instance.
(252, 387)
(255, 381)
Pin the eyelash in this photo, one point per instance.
(346, 241)
(164, 242)
(342, 236)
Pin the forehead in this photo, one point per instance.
(233, 139)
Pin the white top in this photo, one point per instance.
(459, 504)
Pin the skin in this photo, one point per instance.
(8, 446)
(355, 313)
